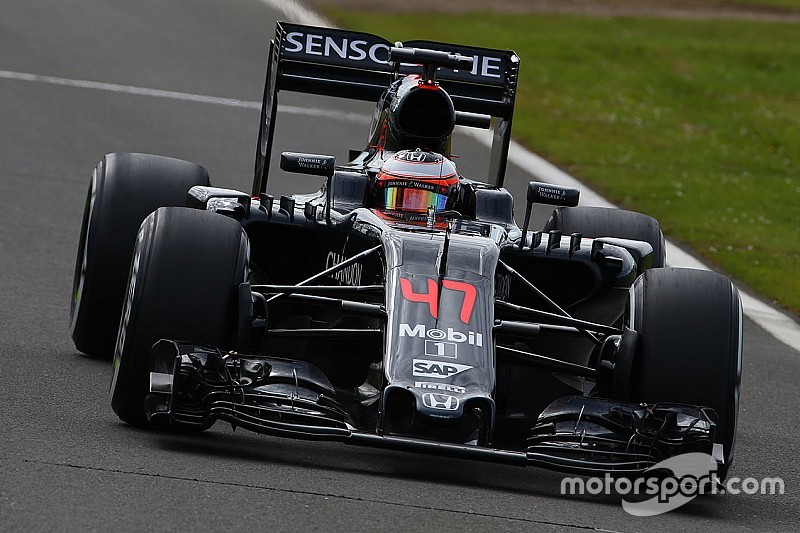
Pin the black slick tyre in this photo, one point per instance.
(123, 190)
(690, 344)
(183, 283)
(595, 222)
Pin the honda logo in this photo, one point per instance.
(444, 402)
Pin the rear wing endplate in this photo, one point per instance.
(356, 65)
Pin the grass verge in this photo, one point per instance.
(786, 4)
(696, 123)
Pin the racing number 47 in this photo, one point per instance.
(432, 296)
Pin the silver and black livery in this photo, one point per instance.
(447, 330)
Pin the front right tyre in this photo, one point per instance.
(596, 222)
(183, 285)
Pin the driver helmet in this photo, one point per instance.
(415, 180)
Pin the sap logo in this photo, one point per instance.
(349, 275)
(326, 46)
(440, 401)
(432, 296)
(437, 369)
(475, 339)
(439, 386)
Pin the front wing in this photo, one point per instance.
(286, 398)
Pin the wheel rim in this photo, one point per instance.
(79, 279)
(126, 310)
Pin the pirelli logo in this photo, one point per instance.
(429, 385)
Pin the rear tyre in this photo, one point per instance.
(595, 222)
(183, 285)
(690, 344)
(124, 189)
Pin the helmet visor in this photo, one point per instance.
(408, 199)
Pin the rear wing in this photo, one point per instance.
(356, 65)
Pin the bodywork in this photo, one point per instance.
(461, 335)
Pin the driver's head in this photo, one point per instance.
(414, 180)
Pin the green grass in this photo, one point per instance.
(696, 123)
(788, 4)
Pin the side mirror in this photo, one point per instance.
(316, 165)
(546, 193)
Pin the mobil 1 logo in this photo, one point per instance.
(449, 335)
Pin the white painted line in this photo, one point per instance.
(128, 89)
(343, 116)
(544, 170)
(186, 97)
(296, 12)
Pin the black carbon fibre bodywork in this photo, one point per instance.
(422, 337)
(448, 332)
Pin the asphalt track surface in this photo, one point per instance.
(68, 464)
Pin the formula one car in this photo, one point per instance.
(401, 306)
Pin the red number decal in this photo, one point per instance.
(432, 296)
(470, 293)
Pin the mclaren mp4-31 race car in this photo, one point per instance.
(402, 306)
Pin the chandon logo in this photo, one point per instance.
(350, 275)
(432, 296)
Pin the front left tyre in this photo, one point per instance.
(183, 285)
(689, 349)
